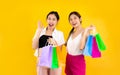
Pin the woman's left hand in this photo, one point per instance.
(90, 28)
(52, 41)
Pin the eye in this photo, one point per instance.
(75, 18)
(54, 19)
(49, 18)
(70, 19)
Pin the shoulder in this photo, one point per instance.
(58, 32)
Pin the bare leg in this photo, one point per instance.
(57, 71)
(45, 71)
(39, 68)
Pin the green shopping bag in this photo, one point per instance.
(100, 42)
(55, 63)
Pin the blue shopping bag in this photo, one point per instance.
(88, 46)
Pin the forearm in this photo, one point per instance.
(36, 40)
(35, 43)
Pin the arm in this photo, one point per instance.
(83, 40)
(35, 40)
(85, 35)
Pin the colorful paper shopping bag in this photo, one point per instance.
(54, 58)
(100, 42)
(95, 50)
(46, 57)
(88, 47)
(59, 54)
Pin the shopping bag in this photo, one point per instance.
(59, 55)
(54, 58)
(46, 57)
(95, 50)
(100, 42)
(88, 46)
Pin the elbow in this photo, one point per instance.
(82, 47)
(34, 46)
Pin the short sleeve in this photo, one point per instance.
(61, 39)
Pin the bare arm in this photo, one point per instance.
(35, 40)
(83, 40)
(85, 35)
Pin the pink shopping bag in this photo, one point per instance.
(95, 50)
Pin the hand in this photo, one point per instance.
(90, 28)
(40, 26)
(52, 41)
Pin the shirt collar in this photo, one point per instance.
(44, 30)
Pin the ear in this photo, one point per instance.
(80, 20)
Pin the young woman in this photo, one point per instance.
(75, 62)
(48, 35)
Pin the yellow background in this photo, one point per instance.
(18, 22)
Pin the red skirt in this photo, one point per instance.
(75, 65)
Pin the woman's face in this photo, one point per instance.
(74, 20)
(52, 21)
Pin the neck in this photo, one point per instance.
(50, 29)
(78, 28)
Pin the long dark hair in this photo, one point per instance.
(71, 31)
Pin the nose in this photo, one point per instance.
(50, 21)
(73, 21)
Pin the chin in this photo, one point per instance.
(75, 26)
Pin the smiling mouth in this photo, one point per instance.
(74, 24)
(51, 25)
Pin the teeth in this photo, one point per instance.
(74, 24)
(51, 24)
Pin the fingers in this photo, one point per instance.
(51, 41)
(91, 27)
(40, 25)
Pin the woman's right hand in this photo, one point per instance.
(40, 26)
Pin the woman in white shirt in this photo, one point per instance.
(49, 34)
(75, 62)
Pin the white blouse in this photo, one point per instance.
(73, 45)
(57, 36)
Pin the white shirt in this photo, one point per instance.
(73, 45)
(57, 36)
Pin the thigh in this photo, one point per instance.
(68, 66)
(39, 68)
(45, 71)
(57, 71)
(78, 66)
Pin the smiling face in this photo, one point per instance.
(52, 21)
(74, 20)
